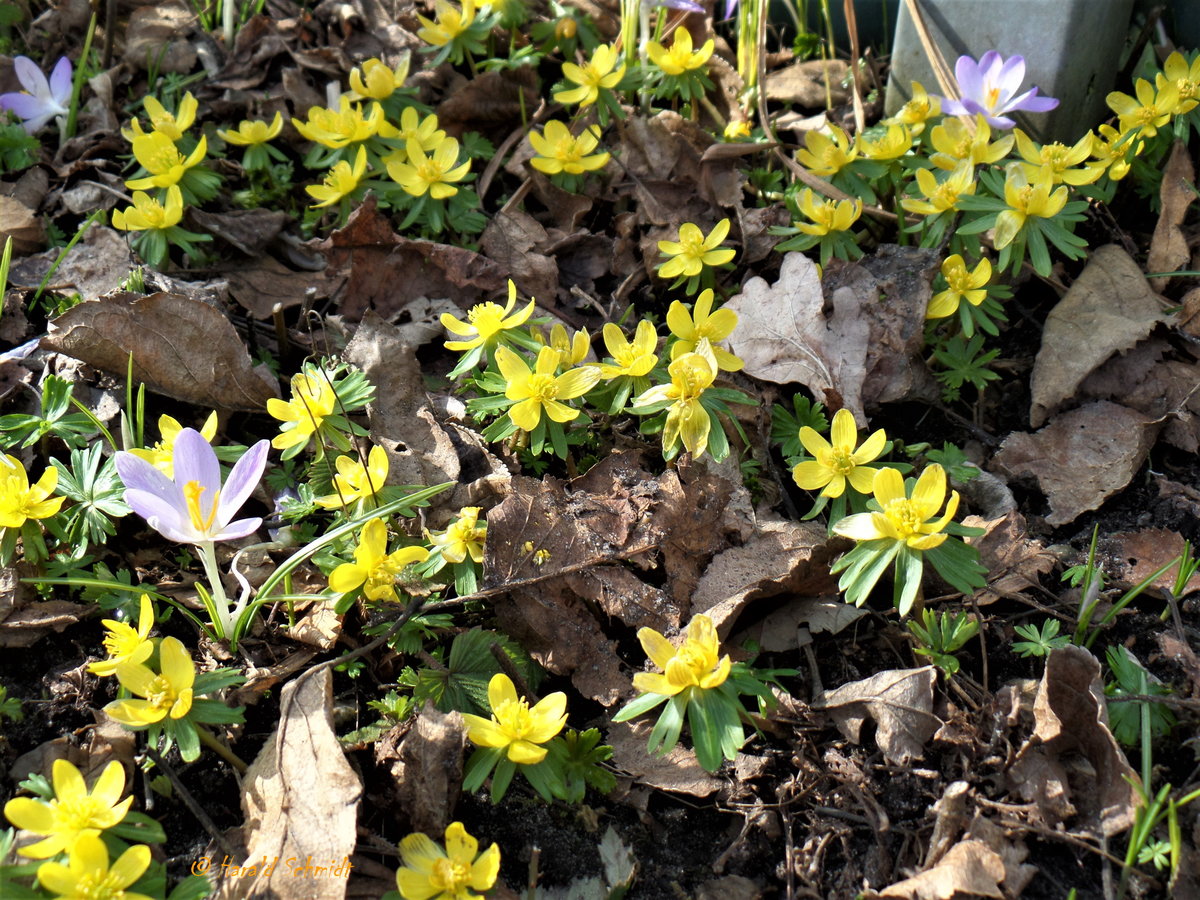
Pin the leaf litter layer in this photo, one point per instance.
(875, 773)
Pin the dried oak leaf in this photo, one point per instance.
(1169, 246)
(385, 271)
(1082, 457)
(969, 869)
(264, 285)
(781, 557)
(300, 797)
(901, 703)
(509, 240)
(611, 514)
(1071, 764)
(1108, 309)
(157, 36)
(181, 348)
(860, 346)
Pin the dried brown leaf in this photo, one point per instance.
(156, 36)
(248, 230)
(810, 84)
(181, 348)
(300, 797)
(385, 271)
(1140, 553)
(782, 557)
(510, 239)
(779, 630)
(1108, 309)
(22, 225)
(1071, 764)
(263, 285)
(678, 771)
(901, 703)
(428, 774)
(1014, 560)
(1082, 457)
(970, 869)
(24, 621)
(1169, 246)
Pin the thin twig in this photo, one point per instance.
(190, 802)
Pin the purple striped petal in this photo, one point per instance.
(1009, 78)
(244, 478)
(970, 79)
(1031, 102)
(195, 460)
(31, 77)
(165, 518)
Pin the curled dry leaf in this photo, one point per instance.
(181, 348)
(901, 703)
(1108, 309)
(1071, 764)
(300, 797)
(864, 348)
(24, 621)
(1082, 457)
(1014, 560)
(969, 869)
(678, 771)
(1138, 554)
(1169, 246)
(157, 36)
(810, 84)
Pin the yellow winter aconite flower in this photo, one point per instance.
(432, 873)
(20, 501)
(571, 350)
(1057, 159)
(601, 71)
(253, 133)
(1111, 151)
(687, 419)
(162, 454)
(341, 127)
(694, 664)
(539, 390)
(941, 195)
(88, 876)
(827, 215)
(920, 108)
(694, 250)
(1149, 111)
(634, 358)
(1186, 80)
(374, 568)
(893, 144)
(451, 22)
(158, 155)
(162, 120)
(376, 80)
(680, 58)
(126, 646)
(341, 181)
(147, 214)
(424, 131)
(433, 175)
(955, 142)
(904, 518)
(737, 129)
(73, 812)
(700, 323)
(312, 400)
(962, 284)
(514, 726)
(158, 695)
(560, 151)
(464, 537)
(836, 461)
(826, 154)
(486, 322)
(354, 481)
(1024, 200)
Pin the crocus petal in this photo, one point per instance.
(196, 461)
(139, 475)
(244, 478)
(161, 515)
(1031, 102)
(970, 79)
(1010, 76)
(30, 76)
(60, 81)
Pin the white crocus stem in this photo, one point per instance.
(208, 556)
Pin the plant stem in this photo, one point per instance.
(221, 618)
(221, 750)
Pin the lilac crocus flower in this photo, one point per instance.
(685, 5)
(989, 87)
(194, 508)
(41, 100)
